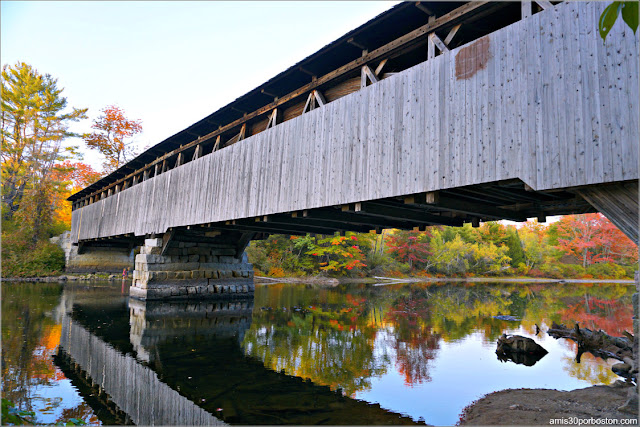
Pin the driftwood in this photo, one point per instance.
(597, 343)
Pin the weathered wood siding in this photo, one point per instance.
(543, 100)
(134, 387)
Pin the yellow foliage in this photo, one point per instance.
(276, 272)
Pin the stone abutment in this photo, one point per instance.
(190, 270)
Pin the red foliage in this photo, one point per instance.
(593, 238)
(612, 316)
(113, 130)
(411, 247)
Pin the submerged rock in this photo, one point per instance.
(505, 317)
(519, 349)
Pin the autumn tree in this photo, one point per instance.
(593, 238)
(34, 124)
(533, 237)
(493, 232)
(411, 247)
(338, 254)
(72, 177)
(112, 137)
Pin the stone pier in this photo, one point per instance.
(181, 269)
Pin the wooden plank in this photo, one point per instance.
(308, 106)
(452, 34)
(431, 46)
(369, 74)
(431, 113)
(424, 8)
(471, 123)
(439, 43)
(380, 66)
(631, 104)
(525, 7)
(545, 4)
(243, 131)
(273, 119)
(216, 146)
(549, 69)
(575, 93)
(319, 98)
(197, 152)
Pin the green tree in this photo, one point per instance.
(493, 232)
(515, 252)
(34, 125)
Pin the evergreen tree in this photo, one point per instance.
(515, 252)
(34, 125)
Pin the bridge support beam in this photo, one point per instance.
(618, 202)
(179, 270)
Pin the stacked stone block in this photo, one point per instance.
(93, 259)
(189, 270)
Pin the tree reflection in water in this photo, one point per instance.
(346, 336)
(30, 337)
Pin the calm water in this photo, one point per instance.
(354, 354)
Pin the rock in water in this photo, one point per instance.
(518, 344)
(621, 369)
(506, 317)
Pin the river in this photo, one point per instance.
(294, 354)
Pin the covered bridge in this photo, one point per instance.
(430, 113)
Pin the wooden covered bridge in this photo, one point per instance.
(430, 113)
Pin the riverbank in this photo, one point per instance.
(332, 281)
(389, 280)
(548, 407)
(67, 278)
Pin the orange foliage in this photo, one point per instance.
(72, 176)
(51, 338)
(276, 272)
(111, 139)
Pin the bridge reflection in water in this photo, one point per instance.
(160, 363)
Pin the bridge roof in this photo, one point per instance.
(384, 28)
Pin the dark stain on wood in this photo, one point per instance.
(473, 58)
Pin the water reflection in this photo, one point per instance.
(298, 354)
(153, 322)
(405, 342)
(525, 359)
(30, 337)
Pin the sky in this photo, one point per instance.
(168, 64)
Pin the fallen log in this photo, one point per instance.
(598, 343)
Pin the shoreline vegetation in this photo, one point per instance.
(585, 248)
(332, 281)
